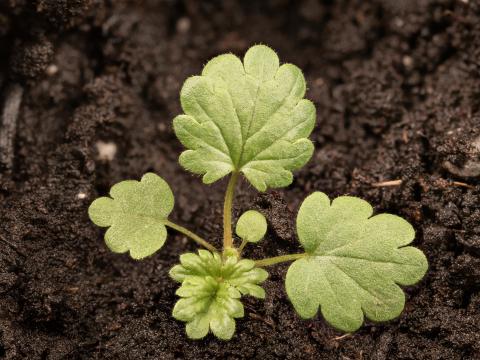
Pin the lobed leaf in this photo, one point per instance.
(135, 213)
(210, 292)
(354, 262)
(251, 226)
(248, 117)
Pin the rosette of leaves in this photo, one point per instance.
(210, 292)
(250, 117)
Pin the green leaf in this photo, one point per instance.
(210, 292)
(249, 117)
(251, 226)
(136, 214)
(354, 262)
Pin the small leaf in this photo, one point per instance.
(354, 262)
(251, 226)
(248, 117)
(211, 290)
(135, 214)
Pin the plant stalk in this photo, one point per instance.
(191, 235)
(279, 259)
(242, 245)
(227, 211)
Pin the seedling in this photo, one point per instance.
(251, 119)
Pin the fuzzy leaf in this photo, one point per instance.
(135, 214)
(251, 226)
(210, 292)
(354, 262)
(249, 117)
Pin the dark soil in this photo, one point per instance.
(397, 88)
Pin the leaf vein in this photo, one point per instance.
(217, 126)
(368, 260)
(357, 283)
(278, 137)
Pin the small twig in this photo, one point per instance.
(462, 184)
(399, 182)
(72, 289)
(387, 183)
(266, 321)
(8, 125)
(342, 337)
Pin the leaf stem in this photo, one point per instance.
(279, 259)
(191, 235)
(242, 245)
(227, 211)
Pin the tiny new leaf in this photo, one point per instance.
(136, 214)
(251, 226)
(249, 117)
(354, 262)
(210, 292)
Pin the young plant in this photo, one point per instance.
(251, 118)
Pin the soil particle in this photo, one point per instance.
(63, 13)
(30, 59)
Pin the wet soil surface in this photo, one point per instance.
(88, 92)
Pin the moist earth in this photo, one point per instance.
(397, 88)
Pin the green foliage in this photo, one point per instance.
(248, 117)
(251, 117)
(355, 262)
(210, 292)
(251, 226)
(136, 214)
